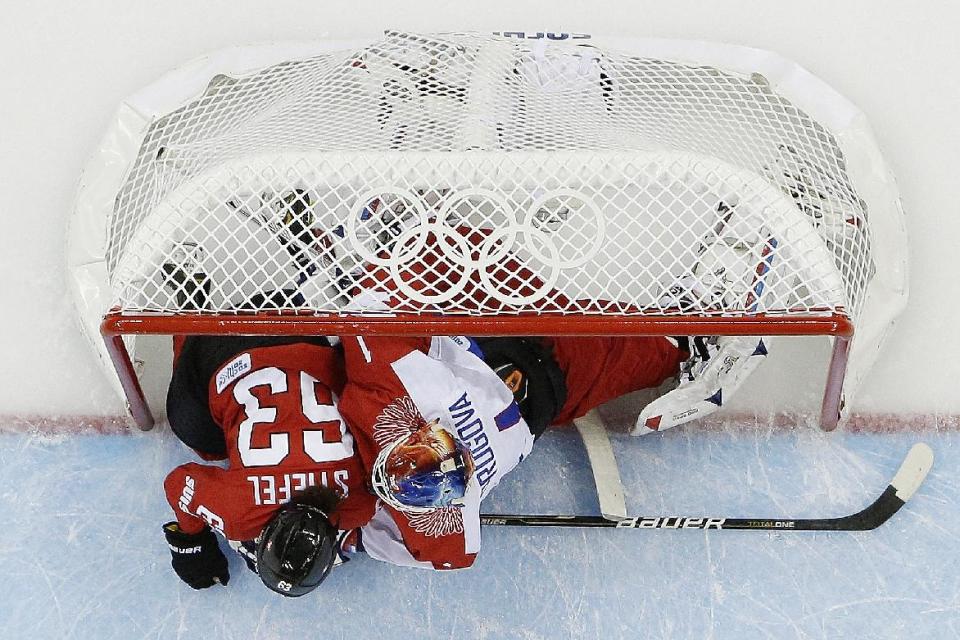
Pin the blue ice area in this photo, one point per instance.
(83, 555)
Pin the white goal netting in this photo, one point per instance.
(595, 180)
(466, 175)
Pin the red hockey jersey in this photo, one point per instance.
(278, 408)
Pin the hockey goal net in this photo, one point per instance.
(471, 184)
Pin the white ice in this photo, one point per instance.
(84, 557)
(81, 551)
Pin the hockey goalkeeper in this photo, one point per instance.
(439, 421)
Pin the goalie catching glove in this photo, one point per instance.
(196, 557)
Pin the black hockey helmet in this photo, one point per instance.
(297, 549)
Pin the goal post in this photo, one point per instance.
(466, 184)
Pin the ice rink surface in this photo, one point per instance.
(80, 542)
(84, 557)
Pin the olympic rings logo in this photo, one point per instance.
(580, 237)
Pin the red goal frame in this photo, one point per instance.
(116, 324)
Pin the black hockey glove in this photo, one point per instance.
(196, 558)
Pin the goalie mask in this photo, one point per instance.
(297, 550)
(425, 470)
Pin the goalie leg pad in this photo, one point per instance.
(709, 389)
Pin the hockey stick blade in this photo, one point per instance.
(911, 474)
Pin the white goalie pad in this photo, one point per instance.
(713, 386)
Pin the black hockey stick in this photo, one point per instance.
(905, 483)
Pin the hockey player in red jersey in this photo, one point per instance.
(292, 487)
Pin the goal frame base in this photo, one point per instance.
(117, 324)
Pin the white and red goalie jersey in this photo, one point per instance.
(282, 419)
(394, 387)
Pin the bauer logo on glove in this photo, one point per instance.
(196, 557)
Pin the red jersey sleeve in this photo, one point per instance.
(372, 385)
(372, 397)
(432, 273)
(188, 488)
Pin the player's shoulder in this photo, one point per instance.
(322, 361)
(193, 470)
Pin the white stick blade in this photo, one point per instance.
(606, 474)
(912, 472)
